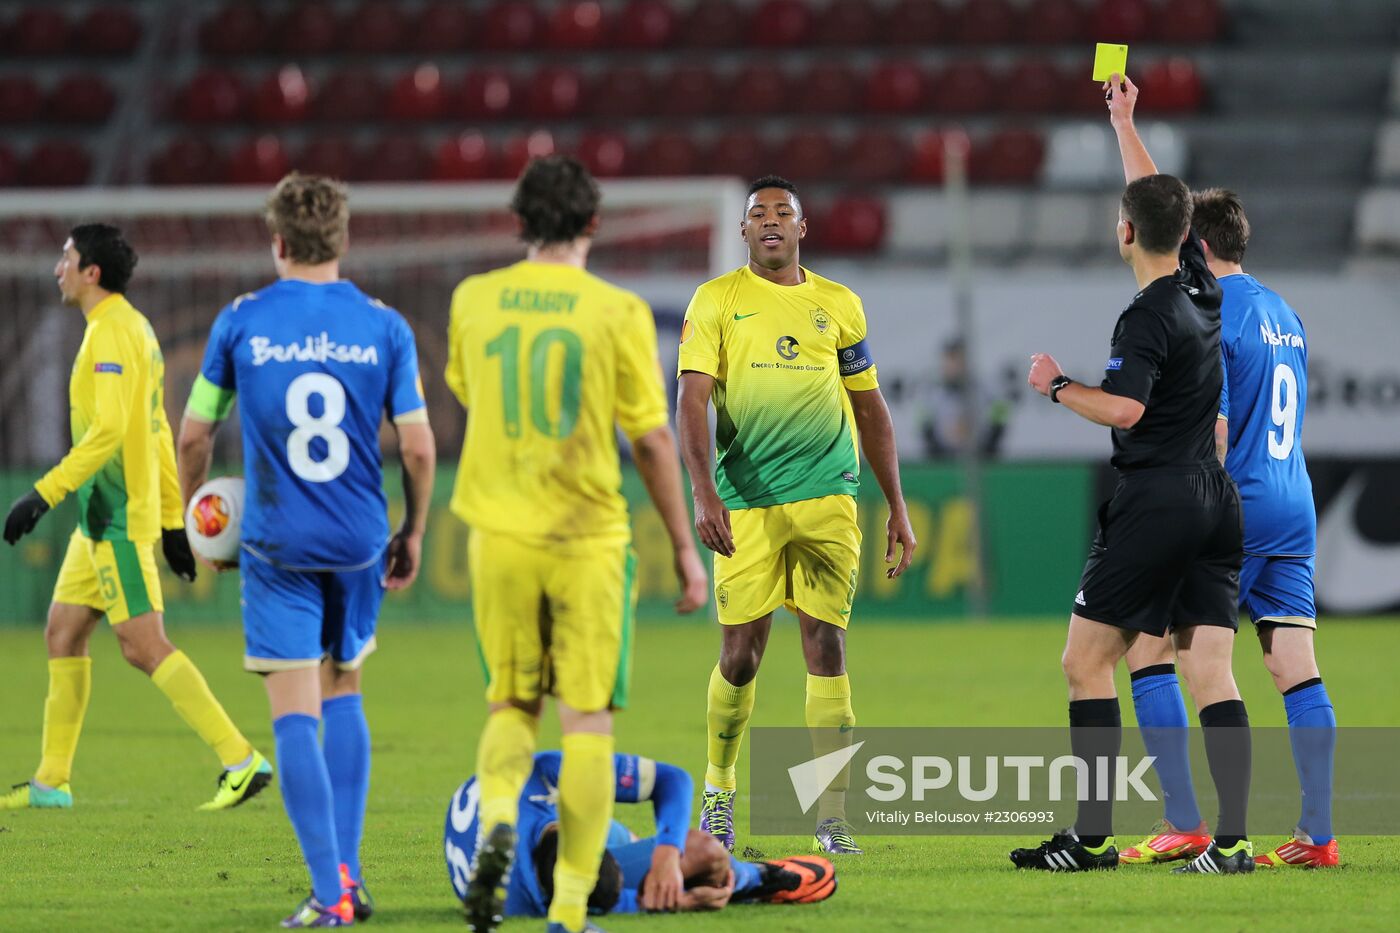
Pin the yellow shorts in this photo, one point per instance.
(554, 618)
(115, 577)
(803, 555)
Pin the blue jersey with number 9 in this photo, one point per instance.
(1264, 350)
(315, 367)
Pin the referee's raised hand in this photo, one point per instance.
(1121, 95)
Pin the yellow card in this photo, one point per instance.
(1109, 60)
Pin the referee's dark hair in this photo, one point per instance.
(103, 245)
(556, 200)
(1159, 208)
(777, 181)
(1219, 220)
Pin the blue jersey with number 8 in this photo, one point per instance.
(316, 367)
(1264, 350)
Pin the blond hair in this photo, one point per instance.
(311, 213)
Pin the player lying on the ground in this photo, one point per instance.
(1259, 438)
(122, 470)
(676, 869)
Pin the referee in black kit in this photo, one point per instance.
(1170, 542)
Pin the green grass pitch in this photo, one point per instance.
(135, 855)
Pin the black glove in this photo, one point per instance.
(24, 515)
(177, 553)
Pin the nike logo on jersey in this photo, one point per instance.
(740, 317)
(1354, 574)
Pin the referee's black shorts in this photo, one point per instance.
(1167, 553)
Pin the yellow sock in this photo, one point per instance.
(727, 714)
(504, 757)
(586, 782)
(830, 717)
(70, 684)
(184, 685)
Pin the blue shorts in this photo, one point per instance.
(1278, 590)
(295, 618)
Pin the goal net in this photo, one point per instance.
(409, 246)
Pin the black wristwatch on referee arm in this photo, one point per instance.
(1056, 384)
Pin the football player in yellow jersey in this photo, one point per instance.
(550, 361)
(783, 354)
(122, 467)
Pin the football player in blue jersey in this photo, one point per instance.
(315, 365)
(631, 871)
(1259, 438)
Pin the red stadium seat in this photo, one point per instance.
(464, 157)
(555, 93)
(1054, 22)
(604, 153)
(691, 91)
(259, 161)
(377, 27)
(848, 22)
(418, 95)
(1173, 85)
(238, 29)
(623, 93)
(669, 152)
(917, 22)
(20, 99)
(876, 157)
(1008, 157)
(214, 96)
(519, 150)
(333, 156)
(854, 225)
(809, 156)
(82, 98)
(965, 87)
(511, 26)
(350, 96)
(1124, 21)
(9, 167)
(739, 152)
(987, 22)
(282, 97)
(828, 88)
(926, 161)
(780, 24)
(576, 25)
(56, 164)
(758, 90)
(444, 26)
(714, 24)
(1035, 86)
(40, 31)
(896, 87)
(309, 29)
(188, 161)
(393, 158)
(109, 31)
(488, 95)
(1184, 21)
(644, 24)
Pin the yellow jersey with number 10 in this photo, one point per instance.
(549, 360)
(782, 357)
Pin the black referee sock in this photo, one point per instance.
(1096, 731)
(1229, 752)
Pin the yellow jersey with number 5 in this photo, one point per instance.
(550, 361)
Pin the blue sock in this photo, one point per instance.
(306, 792)
(345, 746)
(746, 876)
(1312, 730)
(1161, 716)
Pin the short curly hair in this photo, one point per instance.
(311, 213)
(556, 199)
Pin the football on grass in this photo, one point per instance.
(213, 518)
